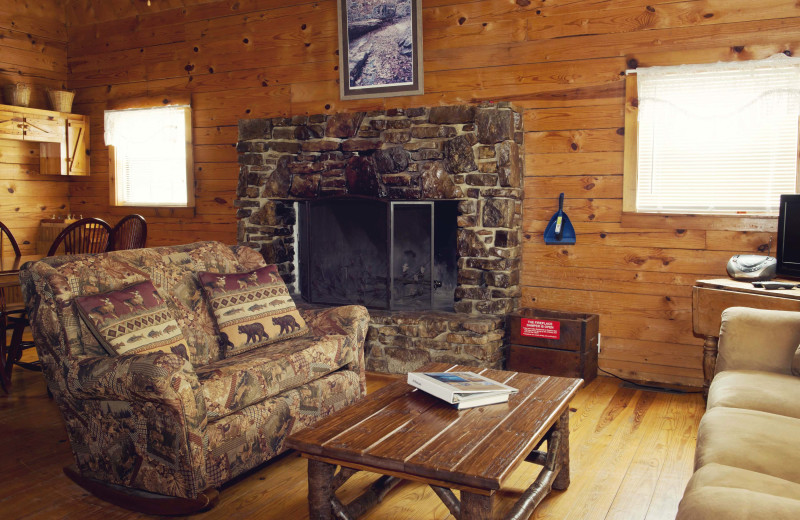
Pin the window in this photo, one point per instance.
(716, 139)
(150, 156)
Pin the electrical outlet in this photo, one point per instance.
(598, 342)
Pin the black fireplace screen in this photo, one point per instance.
(381, 254)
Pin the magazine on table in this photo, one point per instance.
(461, 389)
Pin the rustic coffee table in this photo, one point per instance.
(405, 434)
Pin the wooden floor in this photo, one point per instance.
(631, 456)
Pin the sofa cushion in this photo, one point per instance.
(252, 309)
(724, 492)
(796, 362)
(239, 381)
(755, 390)
(247, 438)
(749, 439)
(132, 320)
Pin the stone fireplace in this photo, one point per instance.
(450, 176)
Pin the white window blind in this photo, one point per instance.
(149, 155)
(719, 138)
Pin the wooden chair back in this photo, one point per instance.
(7, 237)
(129, 233)
(87, 235)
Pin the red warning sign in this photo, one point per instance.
(540, 328)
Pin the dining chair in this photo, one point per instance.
(87, 235)
(12, 317)
(5, 382)
(129, 233)
(6, 236)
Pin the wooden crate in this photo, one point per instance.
(553, 343)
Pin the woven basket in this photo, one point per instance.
(61, 100)
(18, 94)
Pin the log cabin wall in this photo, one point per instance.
(561, 60)
(33, 50)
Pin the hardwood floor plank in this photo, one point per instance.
(631, 456)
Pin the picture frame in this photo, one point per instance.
(380, 48)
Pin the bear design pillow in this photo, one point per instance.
(252, 309)
(132, 320)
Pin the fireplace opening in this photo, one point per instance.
(398, 255)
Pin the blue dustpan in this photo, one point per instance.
(559, 230)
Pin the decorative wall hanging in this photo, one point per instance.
(380, 48)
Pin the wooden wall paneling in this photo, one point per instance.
(587, 163)
(613, 281)
(33, 50)
(665, 15)
(584, 210)
(634, 258)
(560, 60)
(585, 140)
(567, 118)
(594, 47)
(599, 186)
(41, 18)
(650, 58)
(612, 234)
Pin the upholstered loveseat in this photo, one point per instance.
(747, 461)
(164, 424)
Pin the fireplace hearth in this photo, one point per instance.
(410, 212)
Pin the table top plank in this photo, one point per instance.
(476, 431)
(418, 432)
(311, 439)
(521, 432)
(381, 424)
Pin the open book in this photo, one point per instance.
(461, 389)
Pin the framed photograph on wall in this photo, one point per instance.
(380, 48)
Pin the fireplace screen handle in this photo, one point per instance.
(437, 284)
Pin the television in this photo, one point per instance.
(788, 253)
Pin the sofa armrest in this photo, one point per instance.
(248, 258)
(758, 339)
(161, 377)
(350, 321)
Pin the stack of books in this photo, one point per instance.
(461, 389)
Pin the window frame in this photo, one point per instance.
(633, 218)
(155, 210)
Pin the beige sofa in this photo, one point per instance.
(747, 461)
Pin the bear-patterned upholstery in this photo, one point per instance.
(158, 422)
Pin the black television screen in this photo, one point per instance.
(788, 254)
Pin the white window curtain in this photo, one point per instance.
(150, 155)
(718, 138)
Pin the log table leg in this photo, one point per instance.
(561, 482)
(320, 490)
(476, 507)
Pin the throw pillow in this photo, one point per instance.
(132, 320)
(252, 309)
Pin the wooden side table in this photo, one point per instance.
(711, 297)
